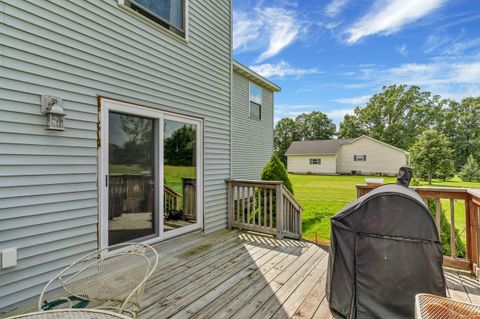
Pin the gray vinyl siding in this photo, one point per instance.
(252, 140)
(79, 50)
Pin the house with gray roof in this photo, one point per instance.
(359, 156)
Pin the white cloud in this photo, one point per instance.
(402, 49)
(245, 30)
(335, 7)
(459, 47)
(435, 73)
(266, 29)
(282, 69)
(282, 28)
(445, 77)
(353, 100)
(389, 16)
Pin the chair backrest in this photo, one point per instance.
(114, 274)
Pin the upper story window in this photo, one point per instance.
(315, 161)
(255, 98)
(359, 158)
(170, 14)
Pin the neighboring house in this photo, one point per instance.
(252, 122)
(363, 156)
(155, 122)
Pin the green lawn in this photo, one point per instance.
(323, 196)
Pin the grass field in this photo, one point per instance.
(323, 196)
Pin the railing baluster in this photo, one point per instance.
(453, 245)
(279, 211)
(259, 207)
(438, 212)
(254, 205)
(248, 205)
(425, 200)
(264, 207)
(238, 204)
(243, 204)
(270, 191)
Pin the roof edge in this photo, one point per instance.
(250, 74)
(309, 154)
(375, 140)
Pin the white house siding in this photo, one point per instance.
(252, 140)
(301, 164)
(381, 158)
(79, 50)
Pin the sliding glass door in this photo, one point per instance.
(131, 179)
(180, 171)
(151, 174)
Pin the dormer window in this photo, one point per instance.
(170, 14)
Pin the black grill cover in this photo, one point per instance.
(384, 250)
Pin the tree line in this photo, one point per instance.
(442, 135)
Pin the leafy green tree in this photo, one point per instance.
(285, 133)
(396, 116)
(470, 172)
(462, 126)
(350, 127)
(180, 147)
(275, 171)
(315, 126)
(431, 154)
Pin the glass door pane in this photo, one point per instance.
(131, 183)
(180, 171)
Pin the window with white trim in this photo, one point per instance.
(359, 158)
(170, 14)
(255, 98)
(315, 161)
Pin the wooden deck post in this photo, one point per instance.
(279, 210)
(230, 207)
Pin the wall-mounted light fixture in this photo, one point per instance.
(52, 108)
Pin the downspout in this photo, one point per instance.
(231, 87)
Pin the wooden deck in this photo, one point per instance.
(231, 274)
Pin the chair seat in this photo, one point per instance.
(119, 274)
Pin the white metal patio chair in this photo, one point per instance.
(114, 277)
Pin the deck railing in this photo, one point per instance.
(446, 197)
(264, 206)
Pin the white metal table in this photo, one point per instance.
(72, 314)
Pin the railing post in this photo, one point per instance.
(279, 210)
(229, 205)
(468, 227)
(300, 224)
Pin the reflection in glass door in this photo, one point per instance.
(180, 174)
(131, 179)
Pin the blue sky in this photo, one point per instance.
(331, 55)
